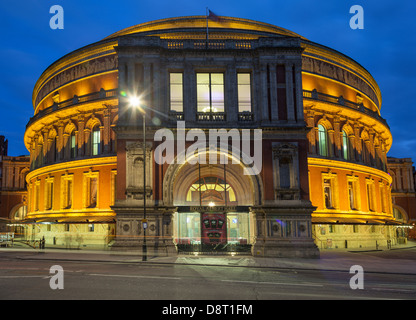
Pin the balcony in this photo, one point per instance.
(102, 94)
(340, 101)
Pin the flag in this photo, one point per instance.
(213, 16)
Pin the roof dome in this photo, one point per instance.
(195, 27)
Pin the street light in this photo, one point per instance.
(136, 102)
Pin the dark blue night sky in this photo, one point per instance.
(386, 46)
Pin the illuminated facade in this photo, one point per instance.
(323, 181)
(13, 192)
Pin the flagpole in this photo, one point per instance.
(206, 42)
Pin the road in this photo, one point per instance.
(26, 275)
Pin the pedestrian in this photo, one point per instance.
(43, 243)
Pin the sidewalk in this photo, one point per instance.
(331, 260)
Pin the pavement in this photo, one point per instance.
(399, 259)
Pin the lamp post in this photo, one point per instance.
(135, 102)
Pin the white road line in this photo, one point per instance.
(11, 277)
(131, 276)
(276, 283)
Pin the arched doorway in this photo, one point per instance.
(17, 214)
(213, 206)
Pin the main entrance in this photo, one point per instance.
(213, 208)
(202, 229)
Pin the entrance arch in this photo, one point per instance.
(213, 205)
(178, 177)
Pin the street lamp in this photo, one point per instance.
(137, 103)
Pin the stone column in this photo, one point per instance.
(106, 133)
(299, 92)
(289, 93)
(81, 138)
(231, 93)
(337, 138)
(274, 106)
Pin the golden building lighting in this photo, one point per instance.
(324, 180)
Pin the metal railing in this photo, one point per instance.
(340, 101)
(90, 97)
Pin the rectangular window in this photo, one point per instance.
(92, 193)
(73, 145)
(49, 195)
(210, 92)
(370, 195)
(244, 92)
(328, 194)
(67, 191)
(90, 189)
(383, 194)
(95, 141)
(188, 227)
(176, 92)
(37, 195)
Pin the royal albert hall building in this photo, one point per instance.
(322, 183)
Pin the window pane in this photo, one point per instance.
(203, 100)
(96, 141)
(244, 94)
(93, 193)
(176, 92)
(189, 228)
(69, 194)
(73, 145)
(323, 151)
(345, 149)
(217, 78)
(217, 95)
(210, 92)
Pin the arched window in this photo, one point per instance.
(346, 146)
(322, 140)
(95, 141)
(73, 145)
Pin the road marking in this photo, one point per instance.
(277, 283)
(131, 276)
(6, 277)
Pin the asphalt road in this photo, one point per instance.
(24, 278)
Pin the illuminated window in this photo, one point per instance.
(188, 228)
(92, 199)
(95, 142)
(210, 92)
(371, 195)
(244, 92)
(353, 192)
(67, 191)
(328, 194)
(346, 146)
(383, 194)
(49, 194)
(322, 140)
(90, 192)
(176, 92)
(211, 190)
(73, 145)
